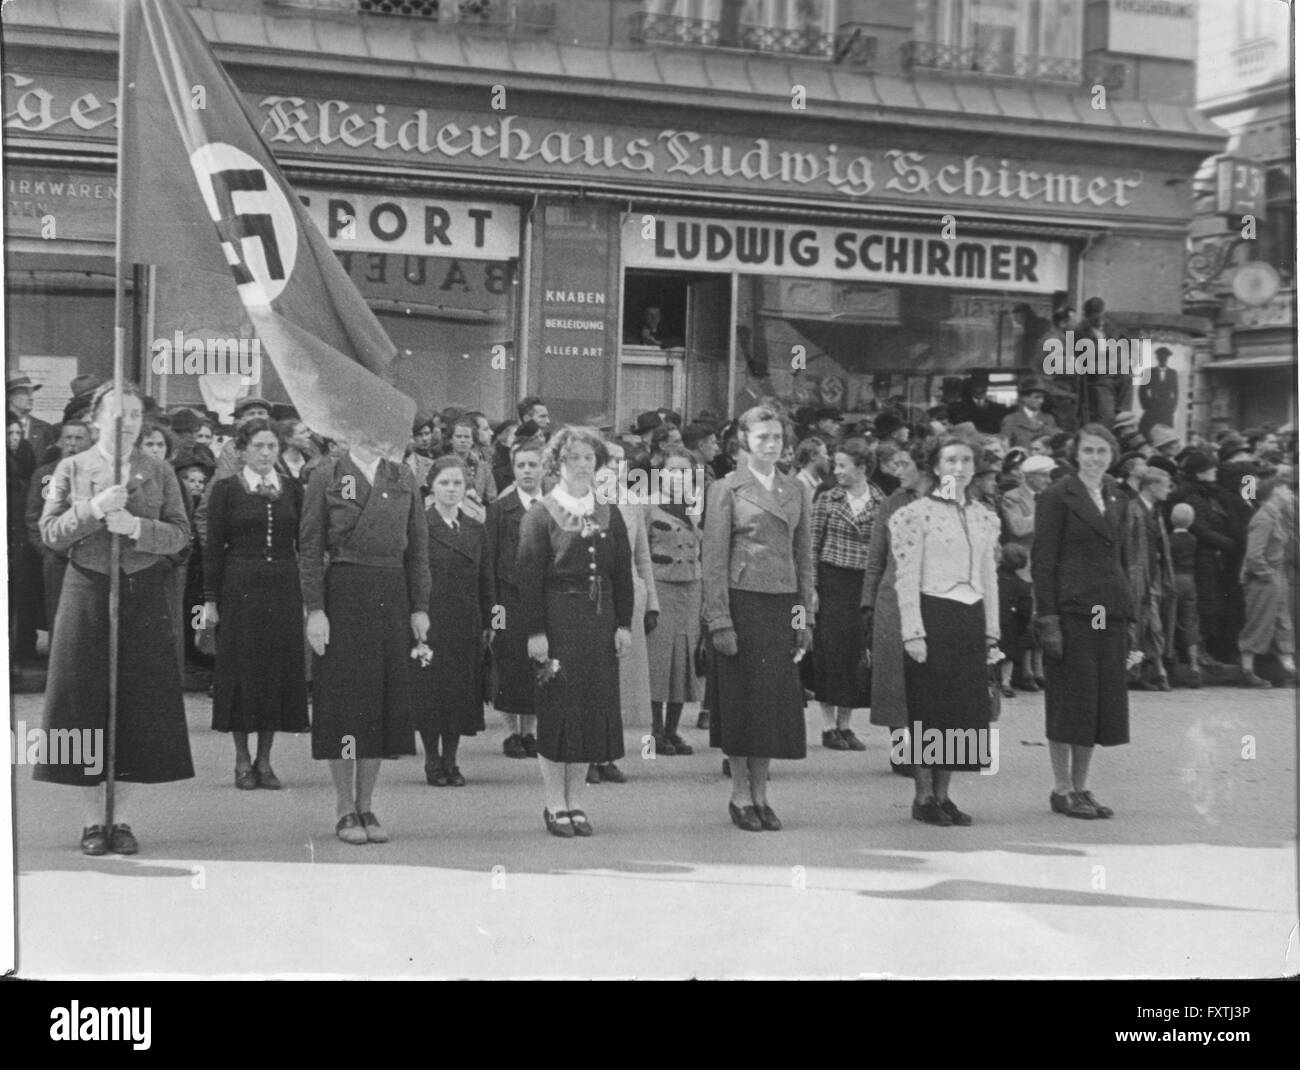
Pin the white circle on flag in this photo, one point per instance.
(254, 219)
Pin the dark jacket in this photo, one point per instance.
(501, 531)
(1078, 560)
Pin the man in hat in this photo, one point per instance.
(975, 406)
(83, 391)
(645, 426)
(1151, 578)
(827, 425)
(1159, 395)
(74, 437)
(1165, 441)
(1021, 427)
(20, 395)
(1103, 395)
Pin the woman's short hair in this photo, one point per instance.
(464, 421)
(527, 445)
(129, 390)
(757, 415)
(575, 434)
(422, 423)
(807, 449)
(860, 452)
(152, 427)
(1092, 431)
(244, 432)
(446, 461)
(660, 459)
(937, 445)
(1152, 475)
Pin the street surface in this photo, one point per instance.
(1195, 876)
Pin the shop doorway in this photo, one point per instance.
(675, 347)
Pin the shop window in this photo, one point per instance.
(859, 347)
(453, 322)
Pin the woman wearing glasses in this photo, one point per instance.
(575, 583)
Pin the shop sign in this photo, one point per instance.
(1164, 28)
(55, 204)
(368, 222)
(861, 170)
(687, 244)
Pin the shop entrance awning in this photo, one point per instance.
(1244, 364)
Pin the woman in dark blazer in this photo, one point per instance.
(85, 506)
(758, 608)
(251, 587)
(513, 698)
(1084, 605)
(575, 585)
(880, 620)
(447, 693)
(364, 564)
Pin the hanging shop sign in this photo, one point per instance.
(689, 244)
(368, 222)
(863, 169)
(1164, 28)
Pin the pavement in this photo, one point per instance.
(1194, 877)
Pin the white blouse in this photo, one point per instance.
(945, 551)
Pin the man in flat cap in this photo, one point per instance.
(1028, 422)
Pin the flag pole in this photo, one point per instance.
(119, 356)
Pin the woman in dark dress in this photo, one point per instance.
(758, 608)
(1079, 568)
(513, 698)
(945, 555)
(575, 584)
(843, 521)
(364, 565)
(251, 588)
(447, 693)
(85, 506)
(193, 470)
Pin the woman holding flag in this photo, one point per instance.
(85, 508)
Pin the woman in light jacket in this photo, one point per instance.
(758, 608)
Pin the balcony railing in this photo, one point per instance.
(847, 44)
(928, 55)
(511, 16)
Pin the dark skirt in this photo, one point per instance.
(949, 692)
(758, 711)
(579, 716)
(514, 671)
(1087, 693)
(839, 640)
(153, 742)
(447, 695)
(259, 684)
(361, 694)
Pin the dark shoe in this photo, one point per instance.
(1163, 684)
(1102, 811)
(771, 822)
(530, 746)
(663, 745)
(1287, 679)
(611, 774)
(1008, 692)
(267, 779)
(1142, 685)
(1194, 680)
(1029, 685)
(958, 818)
(581, 826)
(513, 747)
(680, 745)
(702, 721)
(832, 740)
(745, 817)
(454, 779)
(246, 779)
(930, 812)
(1041, 681)
(726, 767)
(374, 830)
(1249, 679)
(555, 827)
(435, 776)
(94, 840)
(851, 740)
(1060, 803)
(593, 774)
(1081, 808)
(122, 842)
(349, 829)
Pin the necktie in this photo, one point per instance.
(265, 488)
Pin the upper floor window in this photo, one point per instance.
(994, 31)
(799, 26)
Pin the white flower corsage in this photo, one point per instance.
(424, 653)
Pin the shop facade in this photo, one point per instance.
(616, 252)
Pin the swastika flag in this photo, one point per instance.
(202, 193)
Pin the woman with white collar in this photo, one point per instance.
(575, 583)
(251, 586)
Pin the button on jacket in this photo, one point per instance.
(1079, 560)
(756, 540)
(675, 546)
(153, 494)
(382, 526)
